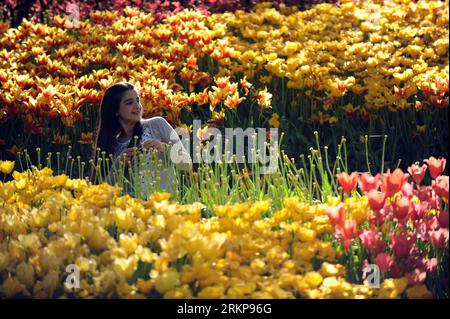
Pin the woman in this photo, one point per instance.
(120, 121)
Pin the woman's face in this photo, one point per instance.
(130, 109)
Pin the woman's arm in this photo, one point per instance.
(176, 150)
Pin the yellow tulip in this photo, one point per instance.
(274, 120)
(6, 167)
(11, 287)
(306, 235)
(213, 292)
(7, 190)
(167, 281)
(419, 292)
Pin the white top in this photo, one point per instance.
(154, 128)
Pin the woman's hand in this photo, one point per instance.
(155, 144)
(129, 154)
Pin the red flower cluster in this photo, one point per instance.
(408, 229)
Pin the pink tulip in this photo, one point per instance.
(439, 238)
(418, 210)
(368, 182)
(421, 228)
(433, 223)
(370, 241)
(441, 186)
(408, 190)
(430, 265)
(383, 213)
(424, 193)
(416, 277)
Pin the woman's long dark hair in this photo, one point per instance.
(109, 126)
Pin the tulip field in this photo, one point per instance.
(357, 207)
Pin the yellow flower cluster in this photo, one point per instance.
(130, 248)
(382, 52)
(385, 51)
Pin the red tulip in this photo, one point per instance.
(439, 238)
(436, 166)
(347, 182)
(346, 242)
(417, 172)
(421, 228)
(401, 208)
(433, 223)
(396, 271)
(368, 182)
(393, 182)
(418, 210)
(402, 245)
(443, 219)
(376, 199)
(349, 228)
(378, 217)
(416, 277)
(336, 214)
(383, 261)
(424, 193)
(368, 237)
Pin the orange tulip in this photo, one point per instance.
(233, 101)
